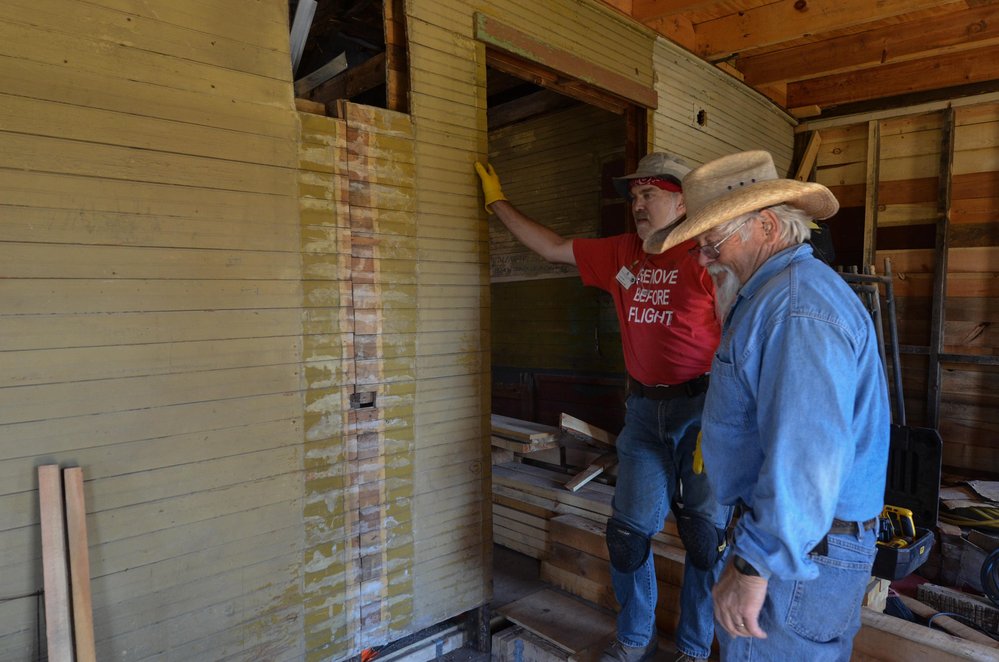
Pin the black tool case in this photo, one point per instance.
(897, 562)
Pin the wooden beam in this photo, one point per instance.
(677, 28)
(58, 625)
(918, 37)
(976, 66)
(526, 106)
(871, 191)
(896, 111)
(778, 22)
(79, 565)
(939, 304)
(333, 68)
(396, 62)
(356, 80)
(644, 10)
(885, 637)
(948, 624)
(525, 48)
(807, 165)
(548, 78)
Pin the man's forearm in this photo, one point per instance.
(540, 239)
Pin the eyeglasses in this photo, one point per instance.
(711, 252)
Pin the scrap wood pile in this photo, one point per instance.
(965, 573)
(558, 515)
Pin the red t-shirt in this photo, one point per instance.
(666, 312)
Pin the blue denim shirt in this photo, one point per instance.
(796, 420)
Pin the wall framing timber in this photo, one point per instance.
(938, 222)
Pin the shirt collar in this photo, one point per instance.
(773, 266)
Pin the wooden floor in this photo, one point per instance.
(534, 619)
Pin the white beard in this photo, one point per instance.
(727, 286)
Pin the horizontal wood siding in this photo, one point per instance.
(151, 329)
(733, 117)
(551, 167)
(451, 494)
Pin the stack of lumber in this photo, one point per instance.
(521, 436)
(513, 438)
(565, 530)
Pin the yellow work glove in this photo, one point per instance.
(490, 184)
(698, 465)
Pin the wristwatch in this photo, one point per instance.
(743, 566)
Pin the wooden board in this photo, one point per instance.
(976, 609)
(576, 426)
(884, 637)
(596, 468)
(521, 446)
(58, 623)
(517, 644)
(566, 622)
(514, 428)
(79, 563)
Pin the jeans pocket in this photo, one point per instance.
(827, 607)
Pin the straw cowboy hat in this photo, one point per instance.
(722, 189)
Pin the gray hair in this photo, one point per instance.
(792, 224)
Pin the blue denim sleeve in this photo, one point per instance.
(805, 404)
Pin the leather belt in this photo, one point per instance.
(839, 526)
(688, 389)
(842, 526)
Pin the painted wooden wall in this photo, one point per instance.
(264, 335)
(452, 558)
(151, 319)
(899, 155)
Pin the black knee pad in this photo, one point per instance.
(628, 548)
(703, 541)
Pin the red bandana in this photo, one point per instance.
(658, 182)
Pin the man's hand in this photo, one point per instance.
(490, 184)
(738, 599)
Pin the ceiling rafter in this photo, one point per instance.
(963, 30)
(811, 56)
(781, 22)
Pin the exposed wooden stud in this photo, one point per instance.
(805, 111)
(396, 60)
(871, 192)
(58, 624)
(79, 564)
(807, 164)
(939, 303)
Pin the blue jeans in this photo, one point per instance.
(813, 620)
(655, 453)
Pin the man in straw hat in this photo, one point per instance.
(669, 330)
(796, 420)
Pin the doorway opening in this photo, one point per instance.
(556, 144)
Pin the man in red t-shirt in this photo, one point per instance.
(665, 306)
